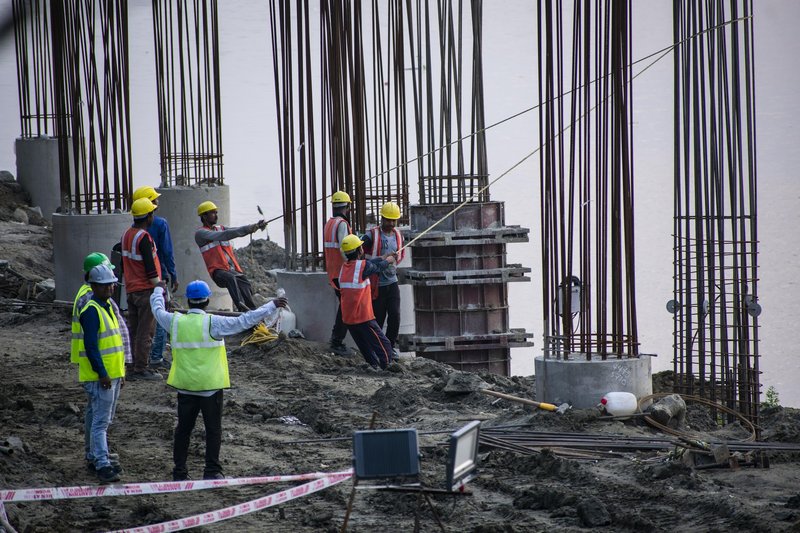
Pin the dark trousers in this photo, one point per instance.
(238, 287)
(373, 344)
(141, 326)
(189, 406)
(339, 331)
(387, 305)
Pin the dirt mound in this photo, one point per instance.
(257, 259)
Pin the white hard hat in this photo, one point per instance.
(102, 275)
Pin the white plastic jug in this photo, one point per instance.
(287, 321)
(619, 403)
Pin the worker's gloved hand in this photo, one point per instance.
(261, 224)
(281, 302)
(174, 285)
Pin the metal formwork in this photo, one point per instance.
(459, 273)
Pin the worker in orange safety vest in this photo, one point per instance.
(354, 284)
(337, 228)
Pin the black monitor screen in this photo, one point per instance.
(385, 453)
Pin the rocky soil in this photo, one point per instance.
(292, 409)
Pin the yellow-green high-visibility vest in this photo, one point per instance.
(199, 361)
(77, 333)
(109, 342)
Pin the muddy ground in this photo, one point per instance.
(291, 380)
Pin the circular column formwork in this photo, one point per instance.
(76, 236)
(179, 206)
(459, 276)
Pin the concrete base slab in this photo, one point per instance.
(74, 237)
(582, 383)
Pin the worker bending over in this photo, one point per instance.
(200, 368)
(357, 313)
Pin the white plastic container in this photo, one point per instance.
(287, 321)
(619, 403)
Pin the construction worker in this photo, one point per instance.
(357, 313)
(101, 369)
(221, 263)
(159, 231)
(200, 368)
(337, 228)
(84, 295)
(383, 241)
(142, 271)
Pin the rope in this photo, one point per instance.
(260, 335)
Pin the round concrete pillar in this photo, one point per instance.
(582, 383)
(76, 236)
(179, 206)
(38, 173)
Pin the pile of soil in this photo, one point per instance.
(293, 408)
(257, 259)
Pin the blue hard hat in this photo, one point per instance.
(198, 290)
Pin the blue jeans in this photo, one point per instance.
(159, 341)
(100, 409)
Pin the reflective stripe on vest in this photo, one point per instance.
(133, 263)
(76, 342)
(356, 294)
(199, 361)
(216, 254)
(377, 243)
(109, 342)
(332, 248)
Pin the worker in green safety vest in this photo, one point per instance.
(200, 368)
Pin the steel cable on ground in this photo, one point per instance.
(697, 399)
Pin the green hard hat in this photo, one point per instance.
(94, 259)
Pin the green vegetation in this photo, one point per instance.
(771, 398)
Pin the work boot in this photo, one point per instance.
(161, 363)
(144, 375)
(107, 475)
(180, 475)
(339, 348)
(395, 354)
(213, 475)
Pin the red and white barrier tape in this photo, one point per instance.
(243, 508)
(136, 489)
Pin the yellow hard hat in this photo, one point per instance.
(390, 210)
(205, 207)
(142, 207)
(340, 197)
(145, 191)
(350, 243)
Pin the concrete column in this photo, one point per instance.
(74, 237)
(179, 206)
(582, 383)
(38, 172)
(407, 315)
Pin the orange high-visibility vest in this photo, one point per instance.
(377, 242)
(132, 262)
(375, 234)
(332, 247)
(216, 254)
(356, 297)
